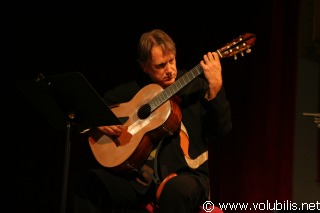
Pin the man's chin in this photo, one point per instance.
(168, 83)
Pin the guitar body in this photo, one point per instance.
(127, 153)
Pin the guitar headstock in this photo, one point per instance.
(243, 43)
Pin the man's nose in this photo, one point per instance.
(168, 70)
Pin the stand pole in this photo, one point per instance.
(66, 169)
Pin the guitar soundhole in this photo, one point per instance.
(144, 111)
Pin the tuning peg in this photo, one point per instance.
(235, 57)
(248, 51)
(242, 53)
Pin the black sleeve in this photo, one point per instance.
(218, 118)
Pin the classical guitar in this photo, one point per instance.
(150, 115)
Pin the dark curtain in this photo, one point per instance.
(254, 164)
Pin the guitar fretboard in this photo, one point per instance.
(167, 93)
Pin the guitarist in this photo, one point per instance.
(181, 159)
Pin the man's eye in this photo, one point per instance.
(160, 66)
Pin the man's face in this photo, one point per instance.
(162, 67)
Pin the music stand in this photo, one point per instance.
(67, 100)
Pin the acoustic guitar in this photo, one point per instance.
(149, 116)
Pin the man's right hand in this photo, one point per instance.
(115, 130)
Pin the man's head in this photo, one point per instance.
(157, 57)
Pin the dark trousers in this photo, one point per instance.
(99, 191)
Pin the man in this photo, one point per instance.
(175, 176)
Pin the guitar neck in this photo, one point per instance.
(171, 90)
